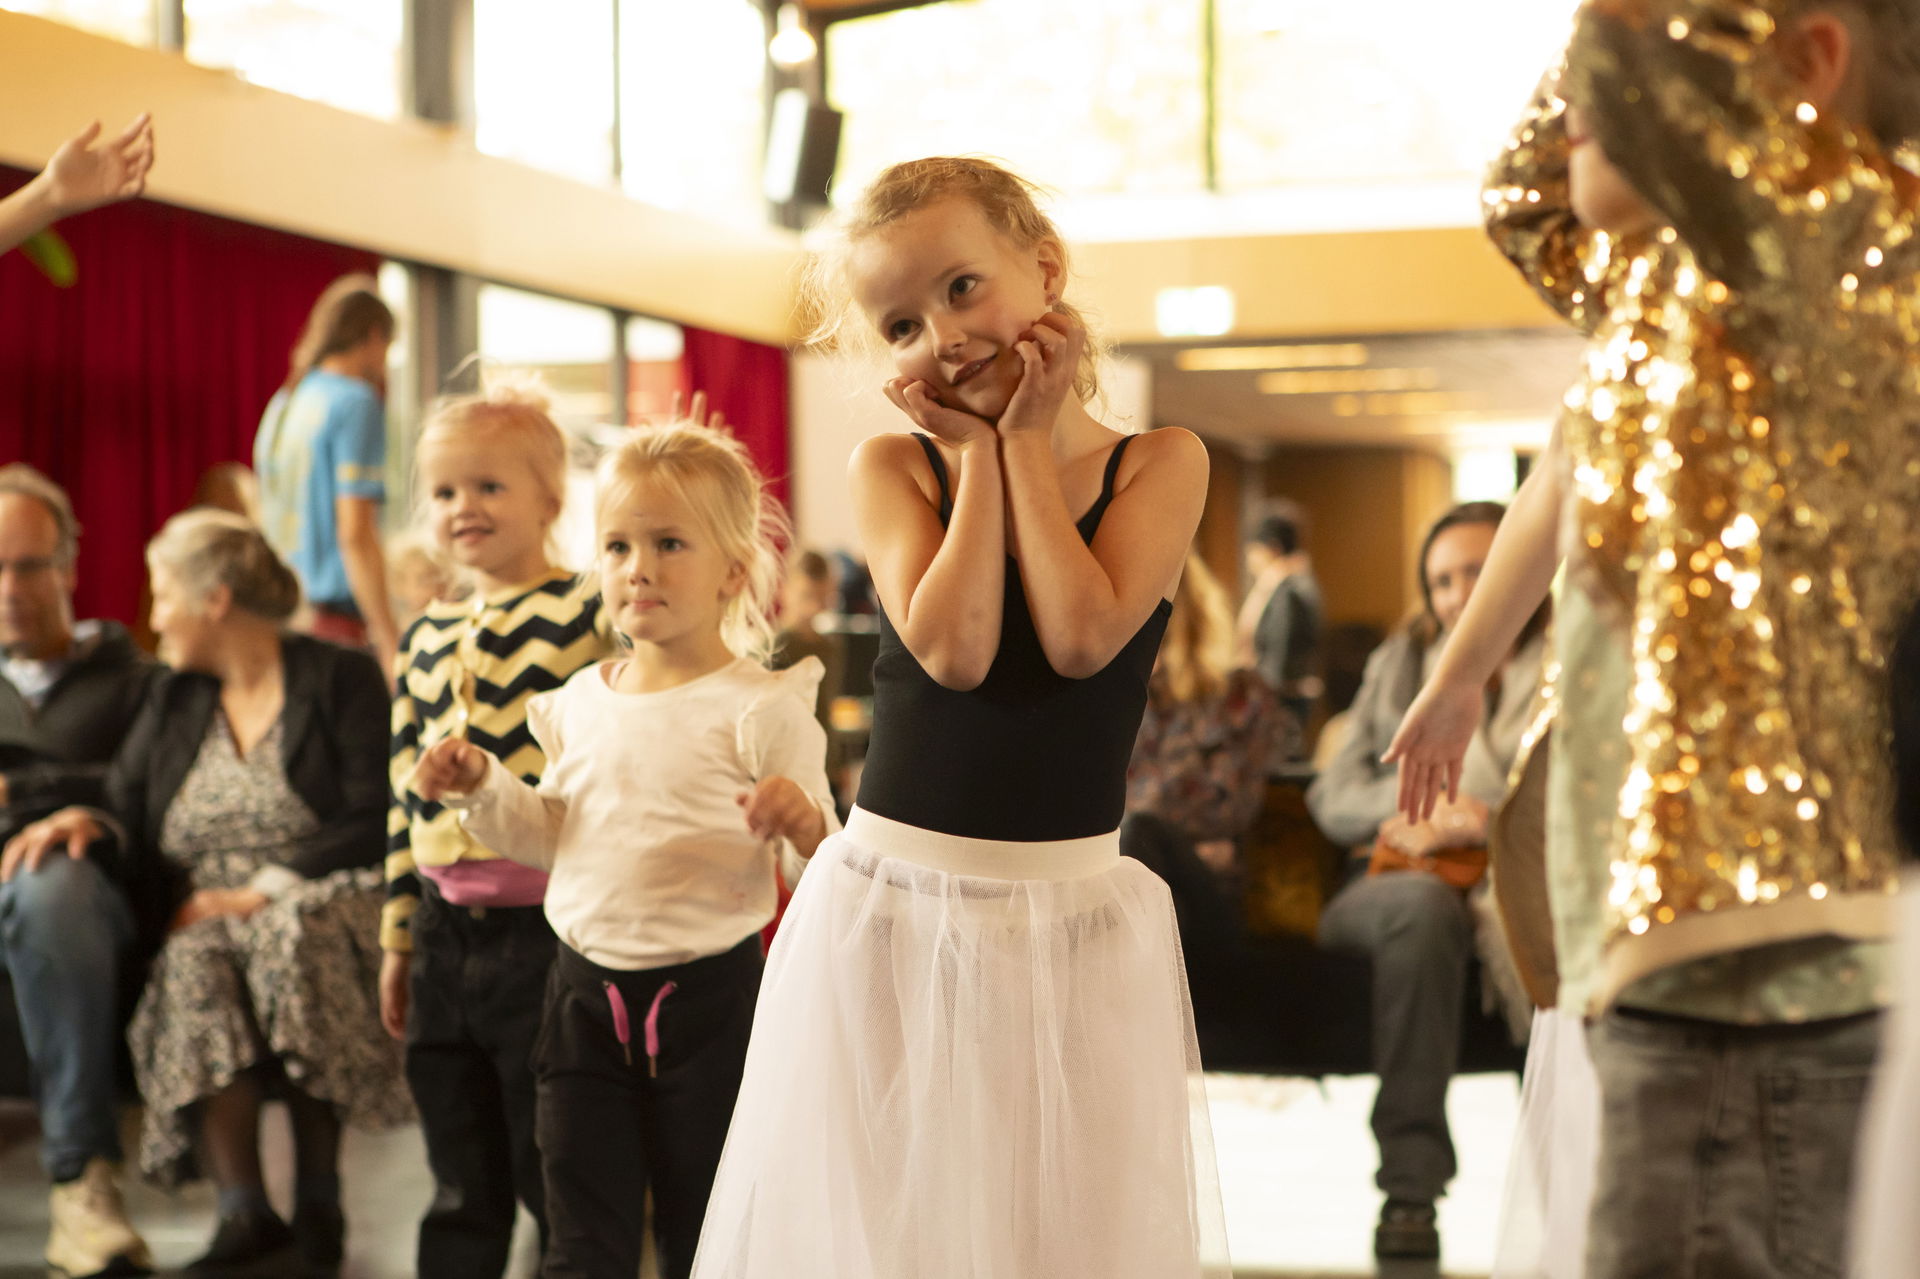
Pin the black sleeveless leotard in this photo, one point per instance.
(1029, 754)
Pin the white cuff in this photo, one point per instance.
(274, 879)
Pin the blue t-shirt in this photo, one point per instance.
(327, 441)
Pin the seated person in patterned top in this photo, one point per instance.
(247, 805)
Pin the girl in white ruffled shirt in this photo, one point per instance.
(680, 779)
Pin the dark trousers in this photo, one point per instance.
(475, 998)
(1419, 934)
(618, 1120)
(1725, 1150)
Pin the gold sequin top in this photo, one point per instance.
(1744, 445)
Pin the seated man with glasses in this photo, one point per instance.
(68, 693)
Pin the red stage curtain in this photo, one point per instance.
(155, 366)
(746, 382)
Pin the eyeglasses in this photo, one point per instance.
(33, 566)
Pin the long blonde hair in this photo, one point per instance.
(711, 473)
(1011, 205)
(348, 313)
(1197, 654)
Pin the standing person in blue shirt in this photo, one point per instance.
(322, 455)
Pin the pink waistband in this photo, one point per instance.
(489, 883)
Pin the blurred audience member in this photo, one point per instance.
(1278, 633)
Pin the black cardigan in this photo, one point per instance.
(334, 745)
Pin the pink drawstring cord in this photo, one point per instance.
(622, 1029)
(653, 1029)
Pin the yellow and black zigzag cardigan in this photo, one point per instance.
(477, 660)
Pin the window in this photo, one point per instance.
(345, 53)
(129, 20)
(1082, 95)
(691, 82)
(543, 84)
(1387, 90)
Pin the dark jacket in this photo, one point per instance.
(1286, 641)
(58, 754)
(333, 742)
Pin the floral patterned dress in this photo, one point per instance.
(294, 983)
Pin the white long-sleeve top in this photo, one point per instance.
(637, 818)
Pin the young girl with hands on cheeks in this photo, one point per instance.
(975, 1009)
(677, 776)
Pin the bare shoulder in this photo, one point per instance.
(884, 463)
(1170, 460)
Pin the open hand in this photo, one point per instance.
(955, 426)
(451, 766)
(217, 903)
(83, 176)
(697, 412)
(70, 830)
(1432, 743)
(1050, 358)
(778, 809)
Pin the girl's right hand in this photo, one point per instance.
(1431, 744)
(915, 399)
(451, 766)
(395, 967)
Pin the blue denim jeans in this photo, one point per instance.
(1725, 1150)
(65, 933)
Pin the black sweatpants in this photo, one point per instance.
(616, 1120)
(475, 997)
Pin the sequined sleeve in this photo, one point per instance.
(1691, 101)
(1529, 214)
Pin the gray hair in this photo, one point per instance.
(204, 549)
(24, 481)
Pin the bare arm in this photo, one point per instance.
(1433, 738)
(365, 557)
(80, 176)
(1088, 601)
(942, 587)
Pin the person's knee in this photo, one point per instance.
(64, 903)
(1415, 913)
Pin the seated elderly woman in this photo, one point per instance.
(1415, 926)
(249, 806)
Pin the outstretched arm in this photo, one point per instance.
(80, 176)
(1434, 736)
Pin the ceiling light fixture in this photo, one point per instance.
(1346, 381)
(792, 44)
(1236, 359)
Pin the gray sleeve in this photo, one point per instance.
(1355, 793)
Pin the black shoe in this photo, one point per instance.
(246, 1245)
(320, 1233)
(1407, 1229)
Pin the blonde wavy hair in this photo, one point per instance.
(1197, 654)
(1012, 207)
(512, 413)
(710, 471)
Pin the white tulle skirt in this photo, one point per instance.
(970, 1060)
(1549, 1192)
(1886, 1227)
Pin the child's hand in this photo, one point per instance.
(452, 766)
(83, 176)
(1050, 352)
(778, 809)
(1431, 743)
(957, 428)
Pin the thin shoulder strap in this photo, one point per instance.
(1091, 520)
(939, 465)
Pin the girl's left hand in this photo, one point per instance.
(778, 809)
(1050, 353)
(213, 903)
